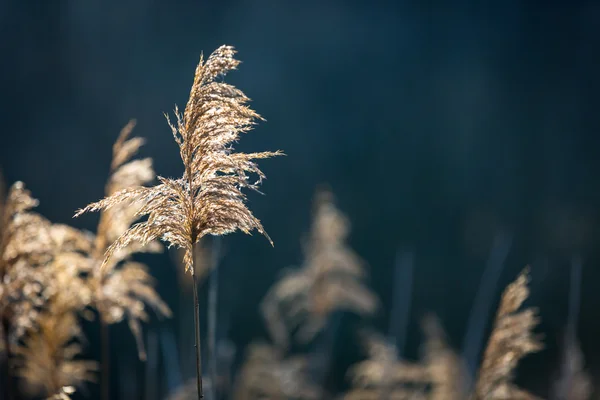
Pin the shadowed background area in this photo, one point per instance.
(437, 126)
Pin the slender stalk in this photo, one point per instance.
(186, 357)
(194, 237)
(197, 326)
(9, 394)
(105, 344)
(213, 293)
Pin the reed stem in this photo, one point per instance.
(197, 327)
(213, 293)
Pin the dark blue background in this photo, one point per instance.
(437, 124)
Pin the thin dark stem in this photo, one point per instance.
(197, 327)
(213, 292)
(9, 394)
(105, 344)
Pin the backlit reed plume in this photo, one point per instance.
(382, 375)
(120, 287)
(329, 280)
(208, 198)
(439, 375)
(48, 355)
(511, 339)
(39, 262)
(266, 374)
(25, 245)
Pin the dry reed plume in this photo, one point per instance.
(436, 377)
(511, 339)
(329, 280)
(40, 267)
(48, 358)
(208, 198)
(25, 245)
(441, 374)
(120, 287)
(382, 373)
(303, 299)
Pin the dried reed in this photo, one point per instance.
(208, 198)
(25, 244)
(329, 280)
(121, 287)
(382, 372)
(510, 340)
(42, 290)
(441, 373)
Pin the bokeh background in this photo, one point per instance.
(438, 125)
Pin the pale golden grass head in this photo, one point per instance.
(28, 244)
(125, 173)
(51, 291)
(330, 279)
(208, 198)
(511, 339)
(122, 288)
(382, 371)
(41, 281)
(438, 376)
(335, 270)
(19, 225)
(327, 250)
(65, 289)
